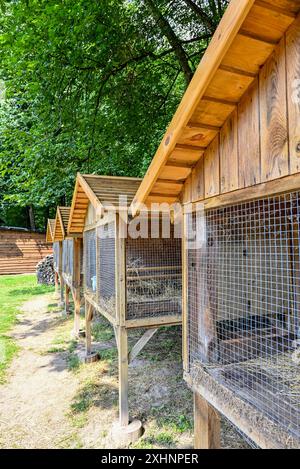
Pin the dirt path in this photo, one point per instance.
(51, 401)
(32, 415)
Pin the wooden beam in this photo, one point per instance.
(154, 322)
(228, 28)
(237, 71)
(277, 186)
(141, 343)
(197, 126)
(226, 102)
(206, 424)
(270, 6)
(258, 37)
(123, 376)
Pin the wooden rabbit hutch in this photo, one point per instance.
(233, 150)
(132, 282)
(67, 251)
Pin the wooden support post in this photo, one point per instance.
(76, 282)
(123, 377)
(206, 424)
(88, 334)
(67, 299)
(141, 343)
(61, 291)
(56, 283)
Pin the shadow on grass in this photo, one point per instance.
(103, 395)
(31, 291)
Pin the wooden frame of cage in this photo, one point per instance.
(211, 397)
(234, 137)
(68, 285)
(120, 322)
(94, 204)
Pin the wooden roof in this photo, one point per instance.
(50, 230)
(61, 223)
(102, 192)
(244, 40)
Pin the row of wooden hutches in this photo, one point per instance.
(230, 159)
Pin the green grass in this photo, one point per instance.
(14, 291)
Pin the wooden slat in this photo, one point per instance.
(248, 54)
(277, 186)
(228, 86)
(267, 23)
(229, 154)
(197, 136)
(167, 188)
(274, 139)
(174, 173)
(293, 93)
(248, 138)
(209, 112)
(292, 6)
(212, 169)
(198, 181)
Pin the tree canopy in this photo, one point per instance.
(91, 86)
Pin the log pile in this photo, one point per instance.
(45, 271)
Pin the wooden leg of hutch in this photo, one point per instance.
(76, 312)
(88, 335)
(67, 299)
(206, 424)
(61, 291)
(56, 282)
(123, 376)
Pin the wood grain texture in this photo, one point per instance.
(293, 93)
(248, 138)
(229, 173)
(267, 23)
(247, 54)
(212, 169)
(273, 116)
(228, 86)
(198, 181)
(206, 424)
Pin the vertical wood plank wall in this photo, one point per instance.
(260, 141)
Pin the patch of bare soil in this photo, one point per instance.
(51, 401)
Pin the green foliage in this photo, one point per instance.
(91, 87)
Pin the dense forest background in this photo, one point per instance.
(89, 86)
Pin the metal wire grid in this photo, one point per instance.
(56, 256)
(106, 267)
(243, 304)
(153, 277)
(67, 259)
(89, 261)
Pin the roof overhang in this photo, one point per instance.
(50, 230)
(103, 193)
(244, 40)
(61, 223)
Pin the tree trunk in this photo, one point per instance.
(31, 218)
(173, 40)
(207, 21)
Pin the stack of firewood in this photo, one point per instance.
(45, 271)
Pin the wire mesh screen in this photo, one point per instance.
(153, 277)
(89, 261)
(106, 267)
(56, 256)
(67, 260)
(243, 304)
